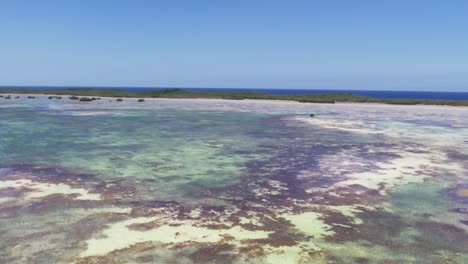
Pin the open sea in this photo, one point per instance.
(370, 93)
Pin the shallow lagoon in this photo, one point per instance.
(197, 181)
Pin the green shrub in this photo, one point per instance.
(141, 100)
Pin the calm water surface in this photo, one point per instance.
(214, 181)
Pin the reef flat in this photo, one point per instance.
(223, 181)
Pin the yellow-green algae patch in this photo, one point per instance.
(119, 235)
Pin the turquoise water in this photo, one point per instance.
(201, 181)
(171, 148)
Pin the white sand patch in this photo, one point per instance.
(88, 113)
(39, 189)
(113, 210)
(195, 213)
(250, 220)
(432, 134)
(6, 199)
(310, 224)
(355, 126)
(409, 168)
(399, 171)
(119, 236)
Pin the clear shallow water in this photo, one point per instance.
(196, 181)
(170, 148)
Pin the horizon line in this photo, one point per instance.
(242, 88)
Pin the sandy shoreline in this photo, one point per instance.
(260, 101)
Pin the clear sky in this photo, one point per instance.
(328, 44)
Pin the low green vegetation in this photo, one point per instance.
(141, 100)
(86, 99)
(181, 93)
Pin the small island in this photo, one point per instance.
(327, 98)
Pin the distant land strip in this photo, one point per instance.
(329, 98)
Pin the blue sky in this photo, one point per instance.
(387, 45)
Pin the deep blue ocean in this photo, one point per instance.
(370, 93)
